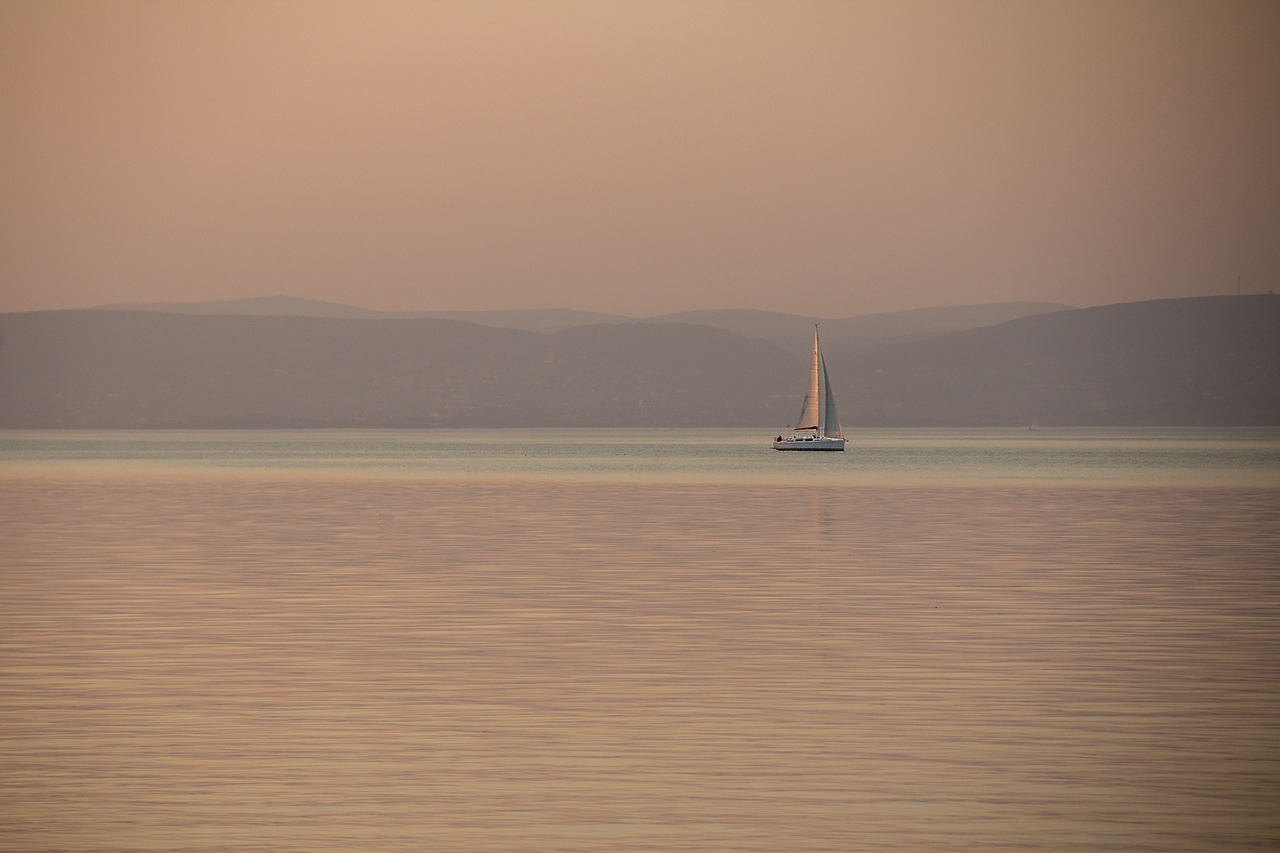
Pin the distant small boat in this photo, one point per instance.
(819, 425)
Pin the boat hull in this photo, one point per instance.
(816, 443)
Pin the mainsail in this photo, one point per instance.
(809, 409)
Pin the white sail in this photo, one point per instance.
(830, 420)
(809, 409)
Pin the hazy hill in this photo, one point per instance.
(260, 306)
(794, 333)
(532, 320)
(545, 320)
(154, 369)
(1188, 361)
(789, 331)
(1210, 360)
(871, 331)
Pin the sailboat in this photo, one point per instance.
(819, 424)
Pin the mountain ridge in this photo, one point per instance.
(788, 331)
(1203, 361)
(1211, 360)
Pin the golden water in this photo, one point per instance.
(279, 663)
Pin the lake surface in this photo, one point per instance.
(639, 640)
(876, 457)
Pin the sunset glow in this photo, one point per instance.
(824, 158)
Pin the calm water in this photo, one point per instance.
(877, 457)
(639, 640)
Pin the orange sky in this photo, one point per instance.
(824, 158)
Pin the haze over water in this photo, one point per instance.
(621, 640)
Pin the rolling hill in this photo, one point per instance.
(865, 332)
(791, 332)
(1200, 361)
(1212, 360)
(149, 369)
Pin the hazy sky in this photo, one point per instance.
(826, 158)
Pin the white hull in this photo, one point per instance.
(808, 443)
